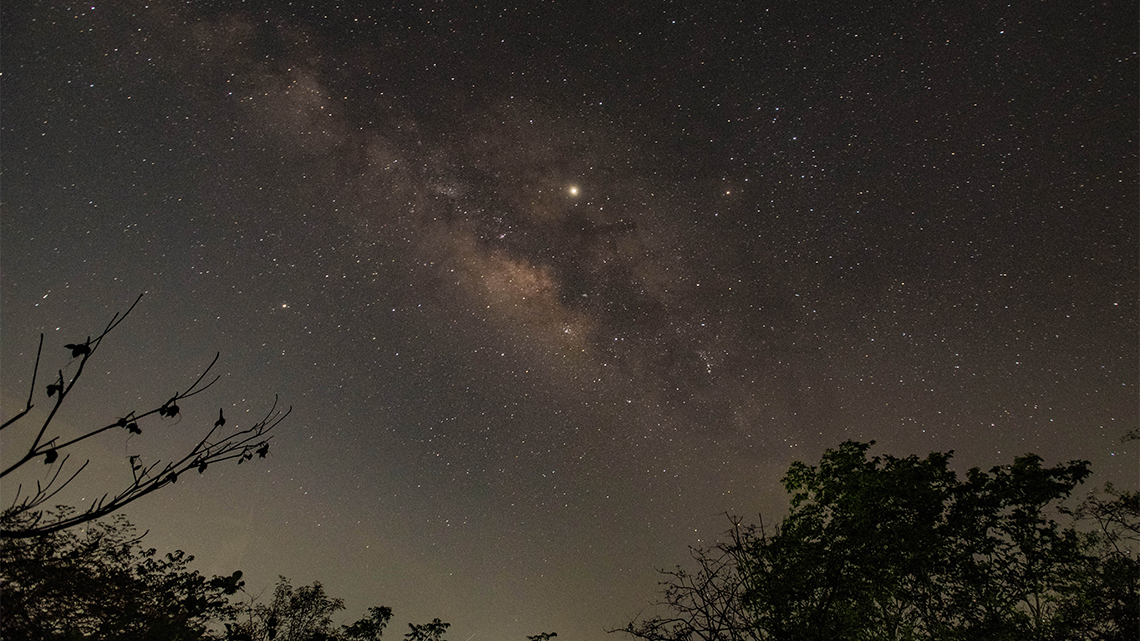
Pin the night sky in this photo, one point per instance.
(551, 288)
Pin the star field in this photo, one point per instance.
(552, 288)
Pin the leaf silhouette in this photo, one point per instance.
(53, 388)
(201, 467)
(172, 477)
(221, 419)
(263, 450)
(228, 584)
(78, 350)
(133, 428)
(51, 456)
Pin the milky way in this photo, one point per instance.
(552, 289)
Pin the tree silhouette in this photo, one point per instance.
(369, 628)
(433, 631)
(895, 548)
(98, 582)
(303, 614)
(25, 517)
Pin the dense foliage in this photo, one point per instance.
(901, 548)
(98, 582)
(303, 614)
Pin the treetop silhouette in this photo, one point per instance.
(902, 548)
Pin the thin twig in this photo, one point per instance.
(32, 391)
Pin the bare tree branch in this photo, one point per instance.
(23, 517)
(31, 391)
